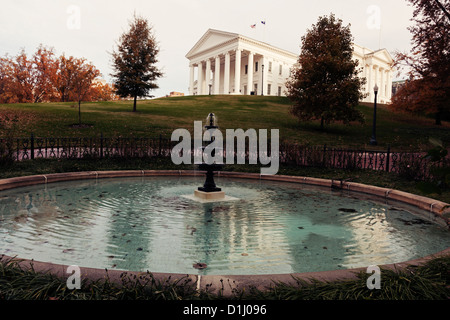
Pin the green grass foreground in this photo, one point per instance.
(163, 115)
(430, 281)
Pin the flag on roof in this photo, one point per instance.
(263, 22)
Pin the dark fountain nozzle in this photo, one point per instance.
(210, 185)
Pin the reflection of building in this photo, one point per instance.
(229, 63)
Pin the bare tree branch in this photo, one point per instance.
(443, 8)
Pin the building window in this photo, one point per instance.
(270, 66)
(269, 86)
(279, 91)
(280, 72)
(256, 66)
(246, 69)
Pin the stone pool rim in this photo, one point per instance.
(438, 212)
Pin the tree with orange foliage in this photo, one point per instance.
(26, 79)
(45, 77)
(102, 91)
(22, 79)
(428, 66)
(45, 67)
(6, 83)
(83, 75)
(65, 77)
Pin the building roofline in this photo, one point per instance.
(236, 36)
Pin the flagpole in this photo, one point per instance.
(379, 39)
(264, 30)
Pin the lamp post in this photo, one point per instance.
(210, 89)
(262, 80)
(373, 140)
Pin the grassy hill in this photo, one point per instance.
(163, 115)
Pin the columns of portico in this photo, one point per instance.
(381, 90)
(217, 75)
(205, 70)
(207, 76)
(237, 72)
(250, 73)
(369, 82)
(389, 85)
(226, 80)
(191, 79)
(200, 78)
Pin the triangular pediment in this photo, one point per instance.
(209, 40)
(384, 55)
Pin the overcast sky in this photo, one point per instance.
(89, 29)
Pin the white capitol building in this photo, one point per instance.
(229, 63)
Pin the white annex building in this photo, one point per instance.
(229, 63)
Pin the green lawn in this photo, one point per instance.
(163, 115)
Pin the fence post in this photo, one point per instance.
(101, 145)
(18, 148)
(32, 146)
(388, 154)
(324, 154)
(160, 141)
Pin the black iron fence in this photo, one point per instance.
(93, 147)
(413, 164)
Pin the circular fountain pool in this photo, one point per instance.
(264, 227)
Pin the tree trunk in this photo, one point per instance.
(36, 99)
(79, 112)
(134, 104)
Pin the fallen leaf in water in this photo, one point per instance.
(199, 265)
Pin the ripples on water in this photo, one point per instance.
(147, 224)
